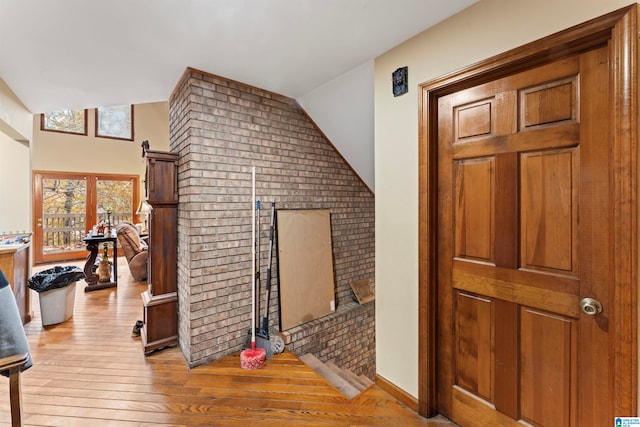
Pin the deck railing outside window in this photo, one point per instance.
(64, 232)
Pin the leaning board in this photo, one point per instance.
(305, 262)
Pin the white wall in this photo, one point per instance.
(15, 174)
(15, 186)
(485, 29)
(15, 118)
(343, 109)
(63, 152)
(55, 151)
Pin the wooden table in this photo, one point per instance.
(93, 245)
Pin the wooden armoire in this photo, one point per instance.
(160, 299)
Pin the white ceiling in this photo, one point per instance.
(83, 54)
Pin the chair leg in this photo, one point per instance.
(15, 397)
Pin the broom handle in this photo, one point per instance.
(257, 275)
(253, 257)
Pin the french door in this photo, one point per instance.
(68, 205)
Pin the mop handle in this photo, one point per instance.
(253, 256)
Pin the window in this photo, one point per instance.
(115, 122)
(66, 121)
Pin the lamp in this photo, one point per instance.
(143, 209)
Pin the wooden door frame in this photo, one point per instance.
(618, 29)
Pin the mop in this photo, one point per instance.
(253, 358)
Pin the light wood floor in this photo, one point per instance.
(89, 371)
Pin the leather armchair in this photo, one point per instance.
(135, 250)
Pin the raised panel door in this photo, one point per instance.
(523, 225)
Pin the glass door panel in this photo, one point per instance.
(115, 197)
(61, 211)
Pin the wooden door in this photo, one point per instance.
(532, 205)
(60, 206)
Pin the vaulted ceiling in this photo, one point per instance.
(83, 54)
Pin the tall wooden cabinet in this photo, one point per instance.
(160, 299)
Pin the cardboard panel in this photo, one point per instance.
(305, 261)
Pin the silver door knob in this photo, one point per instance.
(590, 306)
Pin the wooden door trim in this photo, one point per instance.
(618, 29)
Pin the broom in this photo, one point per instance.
(253, 358)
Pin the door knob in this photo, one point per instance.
(590, 306)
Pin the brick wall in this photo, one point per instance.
(346, 337)
(220, 129)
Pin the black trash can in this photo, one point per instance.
(56, 288)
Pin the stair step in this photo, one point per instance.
(362, 379)
(330, 375)
(366, 380)
(347, 375)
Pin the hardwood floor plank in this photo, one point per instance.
(64, 421)
(197, 416)
(221, 407)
